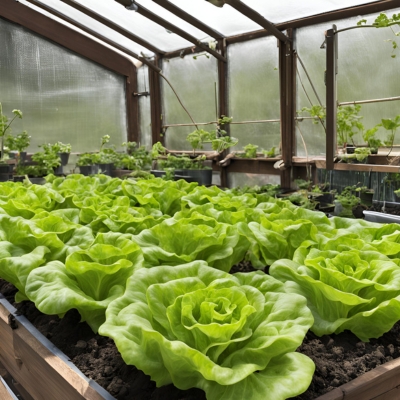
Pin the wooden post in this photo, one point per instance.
(287, 76)
(331, 103)
(155, 103)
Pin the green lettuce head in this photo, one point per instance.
(233, 336)
(349, 289)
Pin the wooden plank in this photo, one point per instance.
(391, 395)
(42, 373)
(372, 385)
(4, 392)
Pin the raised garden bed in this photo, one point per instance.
(339, 360)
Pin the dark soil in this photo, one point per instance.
(338, 358)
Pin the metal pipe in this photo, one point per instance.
(348, 103)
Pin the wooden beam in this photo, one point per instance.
(189, 18)
(287, 76)
(173, 28)
(350, 12)
(331, 100)
(132, 105)
(155, 104)
(92, 32)
(223, 100)
(258, 19)
(107, 22)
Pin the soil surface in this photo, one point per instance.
(338, 358)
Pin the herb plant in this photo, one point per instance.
(5, 125)
(18, 143)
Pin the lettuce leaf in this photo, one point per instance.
(233, 336)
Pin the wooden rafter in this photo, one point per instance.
(189, 18)
(105, 21)
(257, 18)
(93, 33)
(173, 28)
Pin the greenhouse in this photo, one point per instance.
(199, 200)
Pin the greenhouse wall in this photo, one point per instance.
(63, 96)
(254, 92)
(194, 78)
(366, 70)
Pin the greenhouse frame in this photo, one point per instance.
(199, 199)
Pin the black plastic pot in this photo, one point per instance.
(59, 170)
(6, 172)
(106, 169)
(64, 158)
(202, 176)
(366, 198)
(88, 169)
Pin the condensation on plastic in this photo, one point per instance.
(308, 43)
(194, 80)
(63, 96)
(226, 20)
(254, 92)
(236, 179)
(144, 107)
(365, 71)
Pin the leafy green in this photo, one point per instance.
(89, 280)
(233, 336)
(345, 289)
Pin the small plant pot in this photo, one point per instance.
(157, 173)
(202, 176)
(59, 170)
(6, 172)
(37, 180)
(350, 149)
(366, 198)
(106, 169)
(64, 158)
(88, 169)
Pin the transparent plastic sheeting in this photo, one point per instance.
(226, 20)
(63, 96)
(254, 92)
(239, 179)
(195, 81)
(144, 108)
(366, 70)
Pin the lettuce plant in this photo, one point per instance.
(175, 242)
(233, 336)
(349, 289)
(89, 280)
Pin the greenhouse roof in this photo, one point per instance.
(161, 26)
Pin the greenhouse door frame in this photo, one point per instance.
(84, 46)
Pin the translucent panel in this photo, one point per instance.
(363, 53)
(144, 107)
(254, 92)
(225, 20)
(195, 81)
(287, 10)
(97, 26)
(238, 179)
(367, 71)
(63, 96)
(308, 43)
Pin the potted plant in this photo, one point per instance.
(63, 151)
(347, 204)
(250, 151)
(5, 125)
(136, 158)
(271, 153)
(371, 140)
(390, 125)
(18, 143)
(87, 163)
(107, 157)
(49, 160)
(193, 169)
(366, 195)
